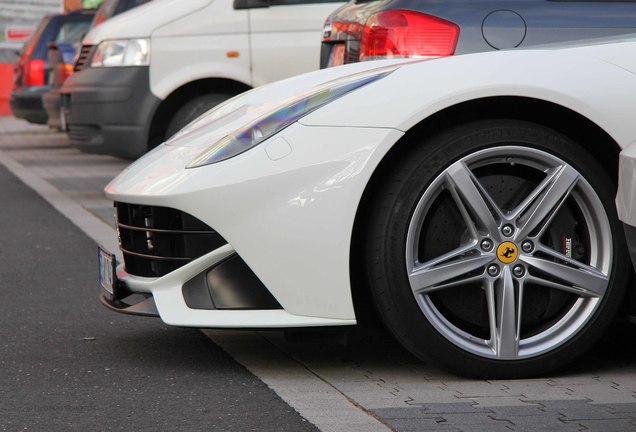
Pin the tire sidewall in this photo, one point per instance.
(192, 109)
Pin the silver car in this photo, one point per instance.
(367, 30)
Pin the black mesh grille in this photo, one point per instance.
(82, 58)
(158, 240)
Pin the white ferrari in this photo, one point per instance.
(469, 200)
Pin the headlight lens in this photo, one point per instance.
(124, 52)
(282, 115)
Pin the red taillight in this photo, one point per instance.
(33, 73)
(65, 70)
(351, 28)
(403, 33)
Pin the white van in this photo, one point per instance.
(144, 74)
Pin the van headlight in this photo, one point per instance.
(122, 52)
(282, 115)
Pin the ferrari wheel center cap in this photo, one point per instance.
(507, 252)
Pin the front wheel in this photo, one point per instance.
(494, 249)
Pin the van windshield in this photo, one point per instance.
(110, 8)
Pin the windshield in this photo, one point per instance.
(110, 8)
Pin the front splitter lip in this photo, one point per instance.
(145, 307)
(166, 292)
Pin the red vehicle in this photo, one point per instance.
(32, 70)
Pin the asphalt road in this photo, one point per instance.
(68, 364)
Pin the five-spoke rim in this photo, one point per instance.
(502, 252)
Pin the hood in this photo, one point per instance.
(141, 21)
(249, 106)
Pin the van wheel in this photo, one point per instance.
(193, 109)
(494, 249)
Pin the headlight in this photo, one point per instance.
(124, 52)
(282, 115)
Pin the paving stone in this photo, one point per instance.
(499, 401)
(337, 416)
(406, 413)
(429, 425)
(433, 395)
(577, 410)
(538, 390)
(486, 428)
(453, 419)
(13, 147)
(607, 398)
(602, 393)
(536, 422)
(539, 427)
(52, 159)
(626, 408)
(20, 143)
(372, 403)
(420, 424)
(71, 184)
(354, 427)
(453, 408)
(605, 425)
(102, 173)
(477, 388)
(576, 380)
(10, 125)
(474, 418)
(527, 409)
(324, 402)
(344, 374)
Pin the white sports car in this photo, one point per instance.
(470, 200)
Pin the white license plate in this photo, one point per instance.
(107, 274)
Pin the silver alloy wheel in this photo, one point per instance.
(503, 251)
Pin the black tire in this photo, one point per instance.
(412, 223)
(193, 109)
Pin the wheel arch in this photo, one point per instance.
(182, 95)
(564, 120)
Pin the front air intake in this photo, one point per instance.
(157, 240)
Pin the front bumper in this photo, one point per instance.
(26, 103)
(108, 110)
(172, 298)
(289, 219)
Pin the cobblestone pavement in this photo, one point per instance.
(370, 384)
